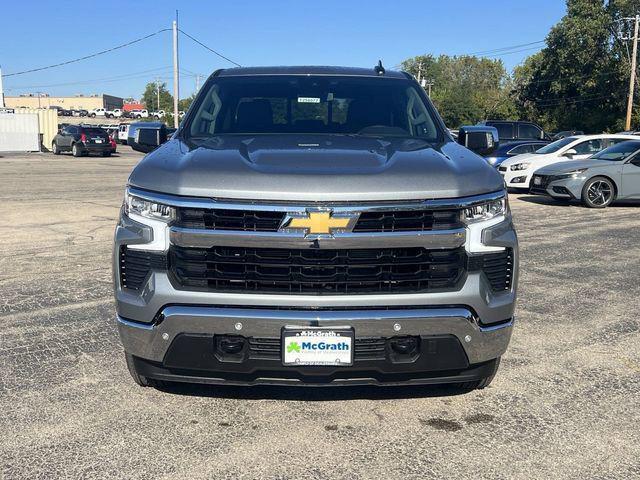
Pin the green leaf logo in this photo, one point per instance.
(293, 347)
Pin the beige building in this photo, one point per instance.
(77, 102)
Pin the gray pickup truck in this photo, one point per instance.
(315, 226)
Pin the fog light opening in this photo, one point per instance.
(232, 345)
(404, 345)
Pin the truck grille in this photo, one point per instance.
(408, 221)
(270, 221)
(310, 271)
(220, 219)
(136, 265)
(270, 348)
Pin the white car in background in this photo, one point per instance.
(518, 171)
(137, 113)
(98, 112)
(123, 133)
(115, 113)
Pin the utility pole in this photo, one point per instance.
(197, 82)
(176, 76)
(158, 93)
(419, 72)
(1, 90)
(428, 84)
(632, 79)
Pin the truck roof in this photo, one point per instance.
(310, 70)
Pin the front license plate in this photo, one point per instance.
(317, 346)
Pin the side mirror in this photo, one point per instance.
(480, 139)
(146, 137)
(570, 153)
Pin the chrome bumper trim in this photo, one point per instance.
(302, 206)
(434, 239)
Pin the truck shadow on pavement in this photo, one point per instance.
(312, 393)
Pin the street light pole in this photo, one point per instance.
(632, 79)
(176, 75)
(1, 90)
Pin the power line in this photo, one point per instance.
(509, 53)
(496, 50)
(88, 56)
(80, 82)
(208, 48)
(600, 97)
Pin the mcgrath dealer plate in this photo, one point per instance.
(330, 346)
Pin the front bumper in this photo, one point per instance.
(452, 345)
(558, 186)
(516, 179)
(473, 321)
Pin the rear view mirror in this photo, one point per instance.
(480, 139)
(146, 137)
(570, 153)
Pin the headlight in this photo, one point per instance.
(145, 208)
(486, 211)
(572, 173)
(519, 166)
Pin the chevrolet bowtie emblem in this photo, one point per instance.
(319, 222)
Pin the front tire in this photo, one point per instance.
(55, 149)
(483, 382)
(598, 192)
(140, 380)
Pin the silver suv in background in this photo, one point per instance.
(314, 226)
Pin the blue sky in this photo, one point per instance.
(251, 32)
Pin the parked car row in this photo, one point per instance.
(63, 112)
(594, 169)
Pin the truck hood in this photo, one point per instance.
(315, 168)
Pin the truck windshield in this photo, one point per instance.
(294, 104)
(557, 145)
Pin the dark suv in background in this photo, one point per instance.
(81, 141)
(509, 130)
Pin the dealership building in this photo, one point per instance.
(77, 102)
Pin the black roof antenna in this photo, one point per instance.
(379, 69)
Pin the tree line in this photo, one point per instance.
(579, 80)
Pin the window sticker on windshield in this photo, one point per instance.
(308, 100)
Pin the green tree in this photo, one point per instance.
(150, 97)
(580, 79)
(465, 89)
(185, 103)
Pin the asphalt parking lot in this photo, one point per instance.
(565, 404)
